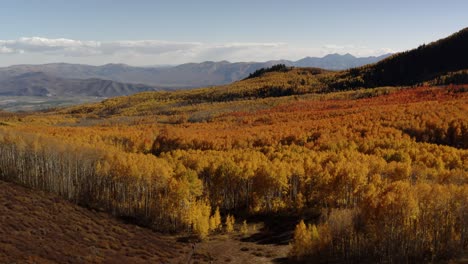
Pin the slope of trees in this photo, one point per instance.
(385, 169)
(410, 67)
(397, 222)
(458, 77)
(100, 176)
(262, 71)
(443, 62)
(272, 84)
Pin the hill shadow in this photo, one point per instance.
(277, 229)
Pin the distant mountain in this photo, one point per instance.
(115, 72)
(42, 84)
(423, 64)
(337, 61)
(187, 75)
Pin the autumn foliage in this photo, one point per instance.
(385, 169)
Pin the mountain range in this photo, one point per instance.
(120, 79)
(337, 61)
(283, 81)
(42, 84)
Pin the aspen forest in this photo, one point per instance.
(371, 175)
(383, 177)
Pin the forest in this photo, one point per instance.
(378, 174)
(369, 175)
(416, 66)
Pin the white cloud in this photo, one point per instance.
(63, 46)
(150, 52)
(146, 46)
(6, 50)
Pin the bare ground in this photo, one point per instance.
(234, 249)
(40, 228)
(36, 227)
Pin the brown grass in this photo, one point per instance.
(36, 227)
(39, 228)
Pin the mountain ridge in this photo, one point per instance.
(336, 61)
(42, 84)
(285, 81)
(416, 66)
(188, 75)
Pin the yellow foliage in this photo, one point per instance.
(200, 214)
(302, 241)
(230, 221)
(389, 167)
(215, 220)
(244, 228)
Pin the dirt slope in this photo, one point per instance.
(40, 228)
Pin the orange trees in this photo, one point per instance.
(388, 170)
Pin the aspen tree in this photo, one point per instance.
(244, 228)
(302, 241)
(230, 220)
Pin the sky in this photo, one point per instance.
(153, 32)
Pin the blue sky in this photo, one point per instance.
(171, 32)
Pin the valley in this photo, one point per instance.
(35, 103)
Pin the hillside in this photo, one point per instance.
(41, 84)
(68, 233)
(355, 165)
(298, 81)
(415, 66)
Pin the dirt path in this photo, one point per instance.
(237, 249)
